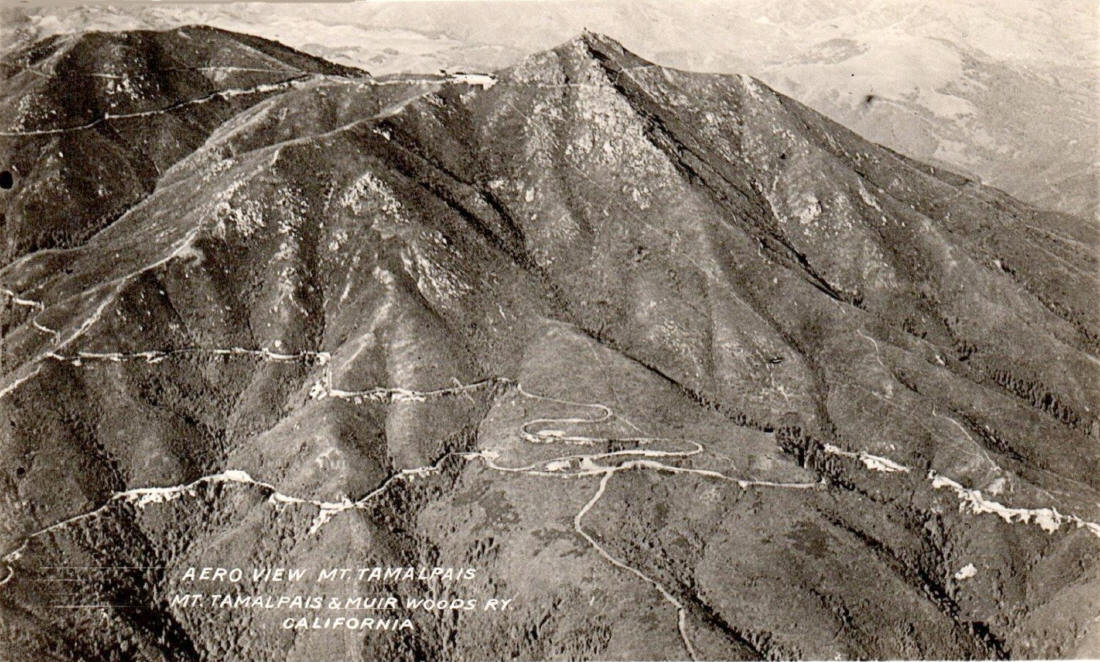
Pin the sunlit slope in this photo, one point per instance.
(92, 120)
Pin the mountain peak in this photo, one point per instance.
(90, 98)
(598, 38)
(606, 48)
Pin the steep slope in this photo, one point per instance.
(683, 367)
(93, 119)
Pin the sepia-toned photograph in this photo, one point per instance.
(529, 330)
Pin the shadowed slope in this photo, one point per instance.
(93, 119)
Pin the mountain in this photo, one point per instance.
(1005, 91)
(95, 118)
(675, 364)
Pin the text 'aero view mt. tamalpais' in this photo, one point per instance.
(674, 364)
